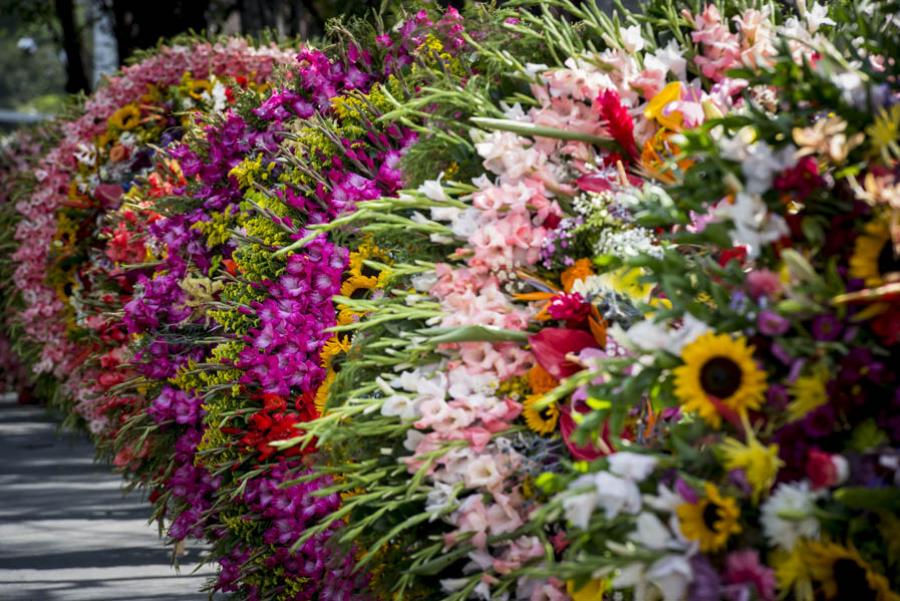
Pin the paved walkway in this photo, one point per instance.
(67, 532)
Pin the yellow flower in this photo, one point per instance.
(627, 281)
(358, 286)
(873, 257)
(126, 118)
(196, 88)
(710, 521)
(321, 399)
(842, 573)
(335, 346)
(885, 131)
(792, 574)
(592, 591)
(368, 250)
(760, 463)
(657, 105)
(543, 421)
(808, 393)
(719, 375)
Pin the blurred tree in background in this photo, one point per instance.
(52, 47)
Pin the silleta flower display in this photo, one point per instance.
(536, 303)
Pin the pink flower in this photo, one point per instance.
(763, 282)
(744, 568)
(721, 48)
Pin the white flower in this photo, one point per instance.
(853, 91)
(482, 472)
(632, 39)
(653, 336)
(433, 189)
(652, 533)
(788, 515)
(672, 56)
(754, 226)
(670, 574)
(219, 97)
(514, 112)
(439, 500)
(633, 466)
(665, 499)
(533, 69)
(402, 406)
(616, 495)
(578, 508)
(413, 439)
(423, 282)
(761, 163)
(817, 16)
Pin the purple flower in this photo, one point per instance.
(706, 585)
(826, 328)
(771, 323)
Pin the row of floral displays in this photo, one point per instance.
(540, 302)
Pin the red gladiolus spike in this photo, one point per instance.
(619, 122)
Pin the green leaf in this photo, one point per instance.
(874, 499)
(473, 334)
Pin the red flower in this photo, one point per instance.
(887, 325)
(275, 422)
(588, 452)
(737, 253)
(109, 194)
(619, 122)
(802, 179)
(551, 346)
(821, 469)
(569, 307)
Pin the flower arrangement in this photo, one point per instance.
(543, 303)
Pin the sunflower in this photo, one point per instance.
(842, 573)
(336, 345)
(718, 375)
(544, 420)
(358, 286)
(367, 251)
(709, 521)
(126, 118)
(321, 399)
(196, 88)
(873, 256)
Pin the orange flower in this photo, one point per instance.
(540, 380)
(579, 271)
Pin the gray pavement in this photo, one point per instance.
(67, 531)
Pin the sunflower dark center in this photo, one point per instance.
(720, 377)
(851, 581)
(888, 262)
(369, 272)
(711, 515)
(360, 293)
